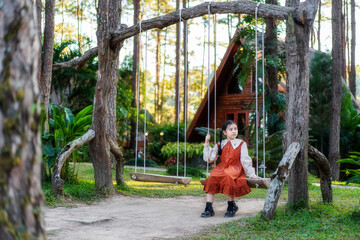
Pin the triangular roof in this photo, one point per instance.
(226, 63)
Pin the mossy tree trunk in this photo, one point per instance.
(108, 20)
(337, 71)
(297, 95)
(47, 57)
(21, 198)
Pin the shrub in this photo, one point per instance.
(190, 171)
(353, 159)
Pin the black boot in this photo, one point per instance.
(209, 211)
(232, 209)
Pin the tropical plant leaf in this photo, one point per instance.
(48, 150)
(85, 111)
(69, 116)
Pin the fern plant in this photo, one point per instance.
(354, 158)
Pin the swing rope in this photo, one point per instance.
(256, 92)
(263, 93)
(178, 100)
(215, 81)
(208, 83)
(145, 76)
(137, 99)
(185, 88)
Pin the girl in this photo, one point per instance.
(229, 176)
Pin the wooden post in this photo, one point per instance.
(278, 179)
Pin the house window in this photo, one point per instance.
(241, 118)
(234, 86)
(241, 123)
(230, 116)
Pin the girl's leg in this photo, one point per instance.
(210, 197)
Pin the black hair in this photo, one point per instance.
(224, 127)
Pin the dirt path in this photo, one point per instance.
(123, 217)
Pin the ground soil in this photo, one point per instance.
(122, 217)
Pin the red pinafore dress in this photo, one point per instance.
(228, 177)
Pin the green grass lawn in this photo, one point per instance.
(340, 220)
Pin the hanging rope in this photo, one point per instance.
(208, 82)
(137, 100)
(256, 92)
(145, 76)
(185, 88)
(178, 100)
(215, 81)
(263, 93)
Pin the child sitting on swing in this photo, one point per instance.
(229, 176)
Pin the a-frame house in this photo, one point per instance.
(231, 100)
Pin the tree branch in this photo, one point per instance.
(325, 173)
(77, 61)
(57, 184)
(278, 180)
(120, 161)
(236, 7)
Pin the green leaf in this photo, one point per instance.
(60, 124)
(81, 123)
(48, 150)
(85, 111)
(51, 161)
(69, 116)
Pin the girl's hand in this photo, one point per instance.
(255, 177)
(207, 138)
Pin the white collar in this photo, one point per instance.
(235, 143)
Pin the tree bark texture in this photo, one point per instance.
(57, 184)
(108, 19)
(337, 65)
(236, 7)
(271, 50)
(325, 173)
(352, 77)
(353, 99)
(38, 5)
(47, 58)
(135, 71)
(319, 26)
(278, 180)
(21, 198)
(297, 97)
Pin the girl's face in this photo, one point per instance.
(231, 132)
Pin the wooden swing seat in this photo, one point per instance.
(263, 183)
(147, 177)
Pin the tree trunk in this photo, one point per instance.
(325, 173)
(278, 180)
(337, 70)
(39, 20)
(162, 94)
(297, 96)
(319, 25)
(108, 20)
(21, 198)
(47, 58)
(177, 77)
(271, 50)
(135, 71)
(120, 161)
(352, 76)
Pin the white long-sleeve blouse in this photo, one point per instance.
(210, 153)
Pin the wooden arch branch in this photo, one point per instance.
(57, 184)
(325, 173)
(278, 180)
(236, 7)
